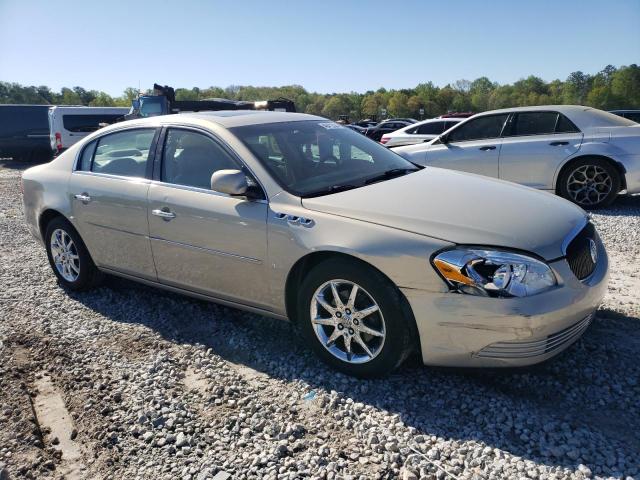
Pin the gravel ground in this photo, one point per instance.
(155, 385)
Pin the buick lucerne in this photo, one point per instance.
(296, 217)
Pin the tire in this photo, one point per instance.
(77, 271)
(386, 352)
(601, 183)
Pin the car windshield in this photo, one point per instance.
(313, 158)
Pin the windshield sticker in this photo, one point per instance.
(330, 125)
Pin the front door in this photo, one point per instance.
(535, 144)
(202, 240)
(109, 200)
(472, 147)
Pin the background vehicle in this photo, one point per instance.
(366, 123)
(581, 153)
(387, 126)
(67, 125)
(24, 132)
(457, 115)
(163, 102)
(357, 128)
(630, 114)
(293, 216)
(418, 132)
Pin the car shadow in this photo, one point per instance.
(624, 205)
(545, 413)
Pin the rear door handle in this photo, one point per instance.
(83, 197)
(163, 213)
(489, 147)
(557, 144)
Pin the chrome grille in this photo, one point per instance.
(534, 348)
(579, 252)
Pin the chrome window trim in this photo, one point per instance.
(112, 176)
(97, 137)
(221, 142)
(207, 191)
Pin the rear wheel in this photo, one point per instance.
(353, 318)
(590, 183)
(68, 256)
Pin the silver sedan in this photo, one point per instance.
(582, 154)
(299, 218)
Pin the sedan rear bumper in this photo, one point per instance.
(461, 330)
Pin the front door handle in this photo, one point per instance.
(489, 147)
(163, 213)
(83, 197)
(557, 144)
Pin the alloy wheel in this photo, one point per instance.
(589, 185)
(65, 255)
(347, 321)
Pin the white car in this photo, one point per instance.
(419, 132)
(583, 154)
(67, 125)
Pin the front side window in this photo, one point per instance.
(123, 153)
(190, 158)
(480, 128)
(311, 158)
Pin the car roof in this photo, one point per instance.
(575, 109)
(239, 118)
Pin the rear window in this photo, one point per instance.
(87, 123)
(599, 118)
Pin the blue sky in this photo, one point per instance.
(324, 45)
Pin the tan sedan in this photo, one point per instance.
(299, 218)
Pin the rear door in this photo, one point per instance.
(472, 147)
(109, 200)
(535, 144)
(202, 240)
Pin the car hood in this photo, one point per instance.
(461, 208)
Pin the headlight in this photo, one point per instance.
(493, 273)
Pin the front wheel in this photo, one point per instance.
(590, 183)
(354, 318)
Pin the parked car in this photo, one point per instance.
(365, 123)
(630, 114)
(398, 119)
(418, 132)
(582, 154)
(293, 216)
(387, 126)
(24, 132)
(67, 125)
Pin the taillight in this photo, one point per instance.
(58, 142)
(384, 139)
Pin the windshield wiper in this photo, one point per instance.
(330, 190)
(386, 175)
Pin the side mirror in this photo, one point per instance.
(444, 138)
(231, 182)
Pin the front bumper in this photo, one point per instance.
(461, 330)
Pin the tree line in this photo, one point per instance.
(610, 88)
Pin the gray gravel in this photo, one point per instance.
(161, 386)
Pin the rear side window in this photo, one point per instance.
(565, 125)
(480, 128)
(123, 153)
(87, 123)
(433, 128)
(534, 123)
(190, 158)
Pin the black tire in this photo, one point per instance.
(584, 201)
(89, 276)
(396, 316)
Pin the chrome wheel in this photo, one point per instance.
(65, 255)
(589, 185)
(347, 321)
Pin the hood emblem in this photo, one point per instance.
(593, 249)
